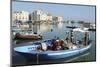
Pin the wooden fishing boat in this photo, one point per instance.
(28, 36)
(44, 50)
(55, 48)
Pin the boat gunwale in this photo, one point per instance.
(50, 52)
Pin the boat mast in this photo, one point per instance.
(86, 38)
(85, 33)
(71, 35)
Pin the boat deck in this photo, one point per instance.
(41, 50)
(67, 45)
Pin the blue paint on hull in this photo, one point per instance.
(24, 50)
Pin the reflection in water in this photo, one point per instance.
(45, 27)
(41, 27)
(35, 28)
(75, 58)
(50, 31)
(68, 59)
(60, 24)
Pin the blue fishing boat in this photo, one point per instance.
(31, 51)
(54, 48)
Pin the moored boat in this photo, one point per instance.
(72, 27)
(28, 36)
(44, 50)
(91, 29)
(56, 48)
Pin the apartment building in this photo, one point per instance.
(21, 16)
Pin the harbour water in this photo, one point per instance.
(50, 31)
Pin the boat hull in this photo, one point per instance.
(72, 27)
(28, 37)
(51, 54)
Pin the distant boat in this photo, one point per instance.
(90, 29)
(33, 51)
(28, 36)
(84, 30)
(73, 27)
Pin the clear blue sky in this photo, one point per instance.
(73, 12)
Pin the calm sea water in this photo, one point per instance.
(59, 30)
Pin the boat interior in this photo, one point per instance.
(54, 45)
